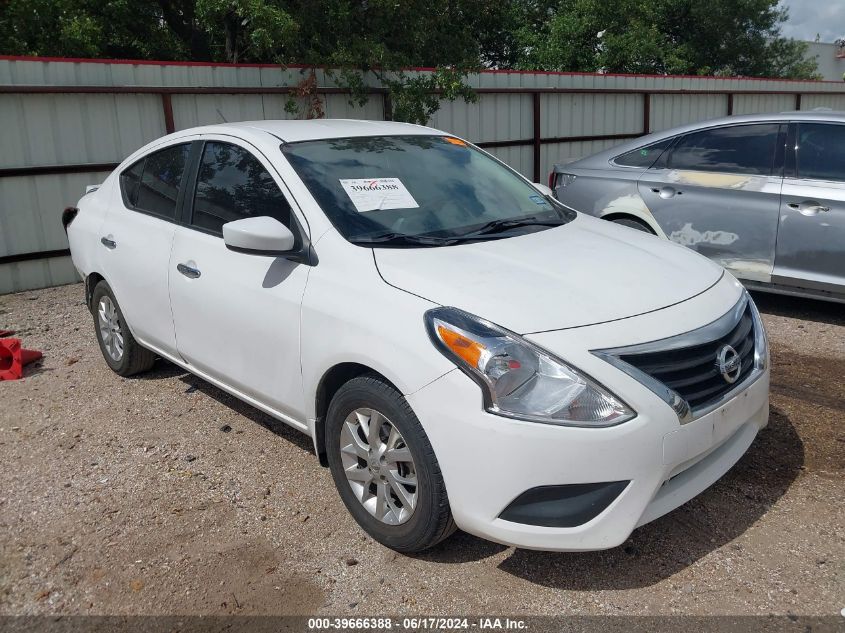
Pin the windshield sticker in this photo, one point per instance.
(376, 194)
(537, 200)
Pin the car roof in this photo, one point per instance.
(291, 131)
(825, 115)
(796, 115)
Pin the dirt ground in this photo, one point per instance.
(160, 494)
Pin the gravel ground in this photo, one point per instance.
(160, 494)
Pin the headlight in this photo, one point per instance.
(761, 342)
(519, 379)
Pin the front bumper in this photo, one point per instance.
(488, 461)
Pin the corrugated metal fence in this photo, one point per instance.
(66, 123)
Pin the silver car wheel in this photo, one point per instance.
(110, 329)
(378, 466)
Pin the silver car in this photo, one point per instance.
(763, 195)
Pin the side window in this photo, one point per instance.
(152, 184)
(738, 149)
(160, 181)
(821, 151)
(231, 185)
(129, 181)
(645, 156)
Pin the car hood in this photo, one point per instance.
(585, 272)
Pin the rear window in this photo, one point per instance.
(152, 184)
(644, 156)
(821, 151)
(738, 149)
(129, 181)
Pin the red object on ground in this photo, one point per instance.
(4, 333)
(13, 358)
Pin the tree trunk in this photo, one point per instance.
(230, 24)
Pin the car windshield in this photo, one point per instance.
(418, 191)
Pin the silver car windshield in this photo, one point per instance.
(419, 190)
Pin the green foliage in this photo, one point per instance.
(698, 37)
(380, 38)
(415, 98)
(83, 28)
(251, 29)
(366, 41)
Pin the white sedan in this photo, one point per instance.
(463, 349)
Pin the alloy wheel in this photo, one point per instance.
(110, 328)
(378, 466)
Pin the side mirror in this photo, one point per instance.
(262, 234)
(544, 189)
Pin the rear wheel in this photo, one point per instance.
(120, 349)
(633, 223)
(384, 467)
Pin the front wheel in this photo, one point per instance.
(384, 467)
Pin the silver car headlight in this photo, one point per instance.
(761, 341)
(519, 379)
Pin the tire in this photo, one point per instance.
(125, 360)
(403, 527)
(634, 223)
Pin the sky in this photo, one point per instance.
(810, 17)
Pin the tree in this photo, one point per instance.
(354, 37)
(89, 28)
(363, 39)
(251, 29)
(700, 37)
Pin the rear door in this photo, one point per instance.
(717, 191)
(237, 315)
(136, 238)
(811, 237)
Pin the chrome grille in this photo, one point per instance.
(693, 372)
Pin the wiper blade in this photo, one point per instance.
(400, 239)
(497, 226)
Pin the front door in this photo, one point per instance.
(811, 238)
(717, 191)
(237, 315)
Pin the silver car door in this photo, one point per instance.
(717, 191)
(811, 238)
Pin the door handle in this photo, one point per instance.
(191, 273)
(808, 207)
(666, 192)
(110, 244)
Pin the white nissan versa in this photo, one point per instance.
(463, 349)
